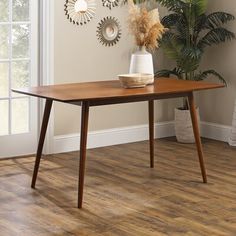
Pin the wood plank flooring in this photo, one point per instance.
(123, 196)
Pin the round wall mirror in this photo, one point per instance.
(81, 6)
(110, 3)
(80, 12)
(109, 31)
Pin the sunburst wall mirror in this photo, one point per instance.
(80, 12)
(109, 31)
(110, 3)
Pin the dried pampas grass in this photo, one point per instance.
(145, 25)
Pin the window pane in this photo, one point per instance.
(4, 10)
(20, 10)
(20, 75)
(4, 41)
(20, 41)
(4, 84)
(20, 116)
(4, 117)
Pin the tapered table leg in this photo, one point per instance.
(197, 136)
(83, 146)
(151, 131)
(46, 115)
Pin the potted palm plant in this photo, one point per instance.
(191, 31)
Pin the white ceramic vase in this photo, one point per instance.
(232, 137)
(183, 126)
(142, 62)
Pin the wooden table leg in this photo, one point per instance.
(46, 115)
(197, 135)
(83, 146)
(151, 131)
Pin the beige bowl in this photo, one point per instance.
(135, 80)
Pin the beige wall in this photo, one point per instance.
(80, 57)
(217, 106)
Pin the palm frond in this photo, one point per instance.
(203, 75)
(191, 11)
(187, 58)
(199, 7)
(182, 28)
(216, 36)
(200, 24)
(170, 20)
(188, 64)
(216, 19)
(191, 52)
(167, 73)
(176, 23)
(171, 46)
(173, 5)
(135, 1)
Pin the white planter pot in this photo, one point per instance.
(183, 126)
(142, 62)
(232, 137)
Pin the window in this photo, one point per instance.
(15, 65)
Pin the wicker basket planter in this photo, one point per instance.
(183, 126)
(232, 137)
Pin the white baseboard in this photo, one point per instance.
(68, 143)
(215, 131)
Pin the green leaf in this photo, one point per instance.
(200, 24)
(170, 20)
(191, 52)
(199, 6)
(188, 64)
(171, 46)
(216, 19)
(205, 74)
(167, 73)
(173, 5)
(182, 28)
(216, 36)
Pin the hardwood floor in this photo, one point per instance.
(123, 196)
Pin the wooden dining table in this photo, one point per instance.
(100, 93)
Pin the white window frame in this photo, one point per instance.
(20, 140)
(46, 59)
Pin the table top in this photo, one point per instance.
(105, 90)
